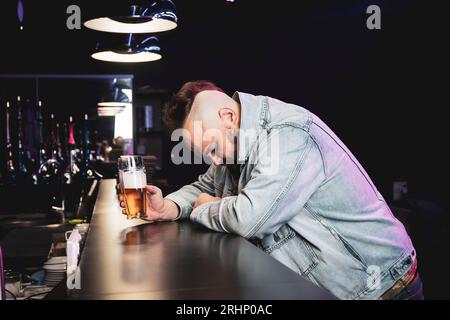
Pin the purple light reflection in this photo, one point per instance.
(20, 10)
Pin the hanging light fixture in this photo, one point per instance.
(20, 13)
(116, 100)
(158, 16)
(109, 111)
(132, 51)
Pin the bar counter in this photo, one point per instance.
(135, 259)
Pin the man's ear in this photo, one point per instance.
(228, 116)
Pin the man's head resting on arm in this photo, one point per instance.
(210, 120)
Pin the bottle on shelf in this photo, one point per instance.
(88, 150)
(40, 143)
(72, 175)
(73, 168)
(11, 172)
(23, 161)
(94, 146)
(30, 144)
(59, 145)
(65, 144)
(50, 169)
(52, 138)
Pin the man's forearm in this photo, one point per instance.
(186, 197)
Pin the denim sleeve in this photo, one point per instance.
(282, 180)
(185, 197)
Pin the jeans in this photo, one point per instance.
(413, 291)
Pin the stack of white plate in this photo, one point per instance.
(55, 271)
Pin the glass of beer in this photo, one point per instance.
(132, 185)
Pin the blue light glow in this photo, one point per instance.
(20, 13)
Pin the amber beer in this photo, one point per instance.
(132, 182)
(134, 202)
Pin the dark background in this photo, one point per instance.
(381, 91)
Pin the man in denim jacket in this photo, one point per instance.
(282, 179)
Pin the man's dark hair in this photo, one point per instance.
(177, 109)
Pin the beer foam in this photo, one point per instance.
(134, 180)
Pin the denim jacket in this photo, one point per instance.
(307, 202)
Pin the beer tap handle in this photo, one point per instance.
(60, 210)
